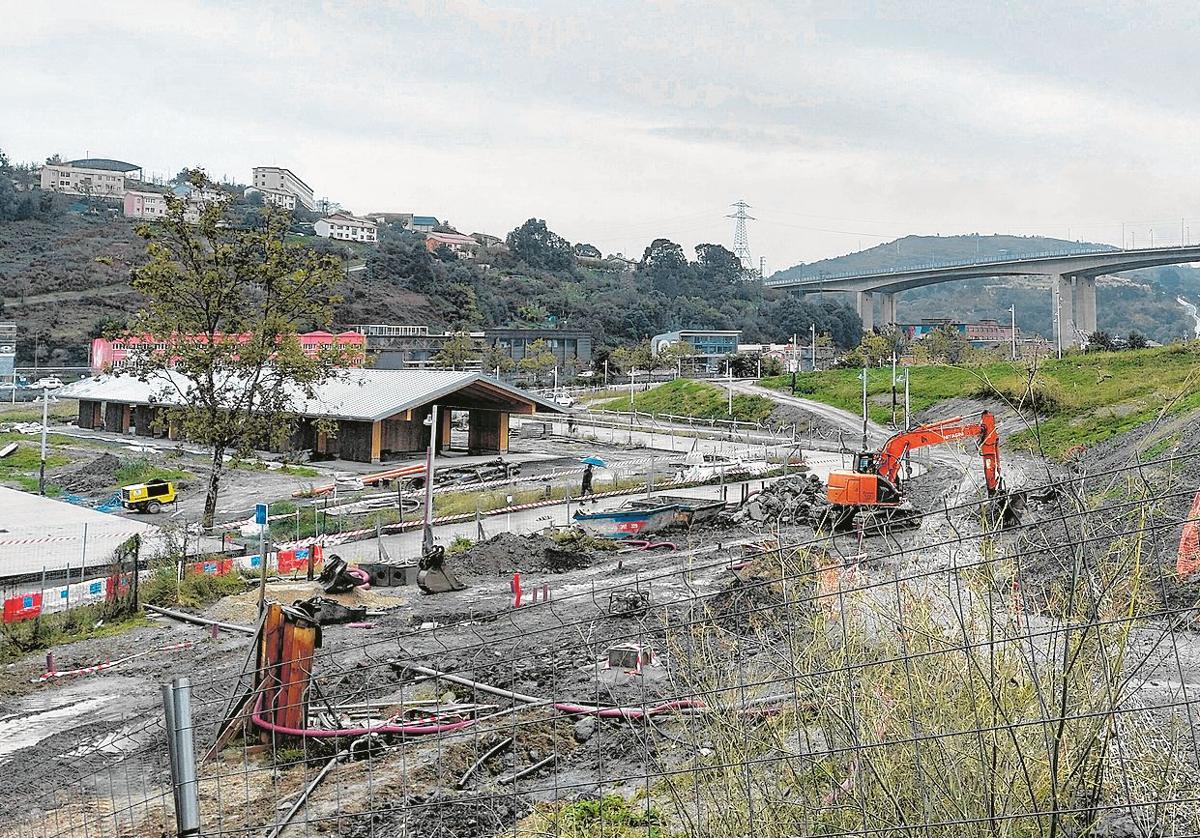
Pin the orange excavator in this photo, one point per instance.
(874, 486)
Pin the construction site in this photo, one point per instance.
(631, 625)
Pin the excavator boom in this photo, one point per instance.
(947, 430)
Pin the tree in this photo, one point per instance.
(675, 355)
(716, 266)
(1101, 341)
(539, 247)
(538, 359)
(870, 352)
(225, 305)
(667, 269)
(946, 345)
(494, 358)
(457, 352)
(1137, 340)
(628, 358)
(587, 251)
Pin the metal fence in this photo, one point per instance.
(954, 682)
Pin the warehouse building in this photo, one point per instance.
(378, 414)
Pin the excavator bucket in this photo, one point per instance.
(434, 577)
(1003, 510)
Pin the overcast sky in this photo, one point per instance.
(842, 124)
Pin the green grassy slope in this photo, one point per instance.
(698, 399)
(1082, 399)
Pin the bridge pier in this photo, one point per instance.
(866, 309)
(1085, 304)
(888, 315)
(1065, 301)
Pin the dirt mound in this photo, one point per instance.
(93, 476)
(507, 552)
(789, 500)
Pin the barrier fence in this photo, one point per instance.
(960, 681)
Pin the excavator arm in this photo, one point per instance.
(948, 430)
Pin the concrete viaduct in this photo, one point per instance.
(1072, 277)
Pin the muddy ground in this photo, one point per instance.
(98, 736)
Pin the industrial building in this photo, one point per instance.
(378, 414)
(710, 346)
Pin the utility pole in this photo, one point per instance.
(1012, 310)
(893, 389)
(632, 373)
(1058, 319)
(430, 454)
(863, 376)
(813, 346)
(795, 360)
(45, 418)
(605, 373)
(729, 378)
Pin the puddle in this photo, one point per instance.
(27, 730)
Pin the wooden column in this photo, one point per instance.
(443, 438)
(503, 422)
(376, 441)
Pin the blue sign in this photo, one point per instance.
(260, 514)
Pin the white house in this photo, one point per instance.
(345, 227)
(282, 187)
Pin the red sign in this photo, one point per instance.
(24, 607)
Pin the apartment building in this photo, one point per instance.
(115, 354)
(464, 247)
(145, 205)
(282, 187)
(345, 227)
(95, 176)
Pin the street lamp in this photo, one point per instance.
(427, 535)
(1012, 310)
(45, 418)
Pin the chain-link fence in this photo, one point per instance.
(953, 680)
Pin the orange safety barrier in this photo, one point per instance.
(1189, 542)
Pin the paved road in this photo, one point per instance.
(851, 423)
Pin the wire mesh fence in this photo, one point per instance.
(963, 680)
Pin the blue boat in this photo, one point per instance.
(627, 521)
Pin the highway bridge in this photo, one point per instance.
(1072, 277)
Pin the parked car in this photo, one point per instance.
(50, 382)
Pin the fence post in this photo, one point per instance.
(177, 705)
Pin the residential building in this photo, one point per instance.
(345, 227)
(276, 183)
(145, 205)
(464, 247)
(95, 176)
(487, 240)
(424, 223)
(710, 345)
(115, 354)
(404, 219)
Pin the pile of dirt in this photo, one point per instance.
(761, 595)
(791, 500)
(93, 476)
(508, 553)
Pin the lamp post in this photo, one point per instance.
(427, 534)
(45, 418)
(1012, 310)
(813, 346)
(863, 376)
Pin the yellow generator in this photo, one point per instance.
(149, 496)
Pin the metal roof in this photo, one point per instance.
(356, 394)
(104, 164)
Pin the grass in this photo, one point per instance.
(62, 410)
(286, 468)
(20, 468)
(141, 470)
(196, 590)
(1083, 399)
(609, 817)
(698, 399)
(46, 632)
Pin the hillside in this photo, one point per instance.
(1139, 300)
(1083, 399)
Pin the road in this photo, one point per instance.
(851, 423)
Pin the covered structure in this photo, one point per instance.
(363, 415)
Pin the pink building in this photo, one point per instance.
(112, 354)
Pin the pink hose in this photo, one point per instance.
(329, 733)
(629, 712)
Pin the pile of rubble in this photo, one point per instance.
(791, 500)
